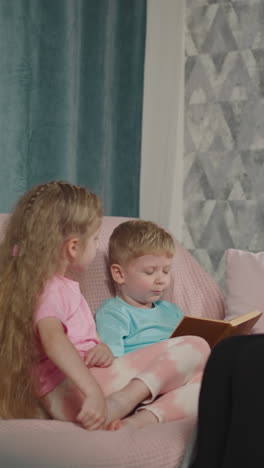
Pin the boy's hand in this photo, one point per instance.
(100, 356)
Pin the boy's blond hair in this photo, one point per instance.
(135, 238)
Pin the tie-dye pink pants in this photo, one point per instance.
(171, 369)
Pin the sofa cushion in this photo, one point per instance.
(244, 279)
(56, 444)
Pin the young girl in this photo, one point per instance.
(50, 352)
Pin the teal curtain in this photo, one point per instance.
(71, 86)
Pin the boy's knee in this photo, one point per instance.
(200, 344)
(195, 342)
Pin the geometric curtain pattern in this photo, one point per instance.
(224, 130)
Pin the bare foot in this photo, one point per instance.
(115, 425)
(121, 403)
(116, 406)
(140, 419)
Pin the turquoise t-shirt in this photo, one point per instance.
(125, 328)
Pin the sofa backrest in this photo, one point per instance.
(191, 288)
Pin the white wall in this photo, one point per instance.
(163, 115)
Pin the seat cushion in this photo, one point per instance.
(54, 444)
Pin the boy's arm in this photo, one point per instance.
(113, 327)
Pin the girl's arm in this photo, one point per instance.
(61, 351)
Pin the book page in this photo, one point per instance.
(251, 317)
(239, 327)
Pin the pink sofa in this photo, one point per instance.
(41, 443)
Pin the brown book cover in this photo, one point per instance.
(214, 331)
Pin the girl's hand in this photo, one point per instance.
(100, 356)
(94, 411)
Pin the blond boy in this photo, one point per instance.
(140, 256)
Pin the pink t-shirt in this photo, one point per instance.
(63, 300)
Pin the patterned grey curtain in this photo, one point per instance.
(71, 85)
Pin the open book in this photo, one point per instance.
(214, 331)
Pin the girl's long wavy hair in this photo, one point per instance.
(29, 255)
